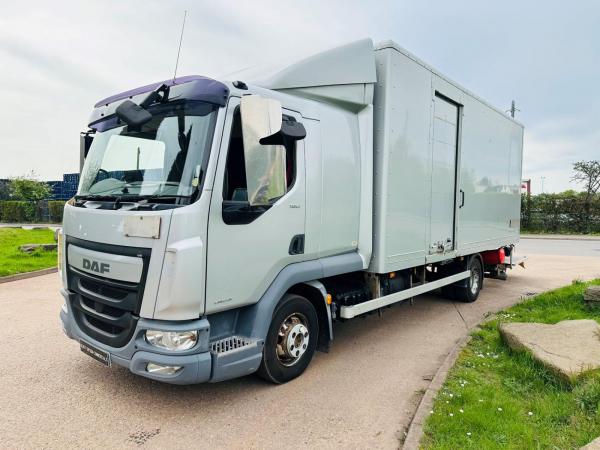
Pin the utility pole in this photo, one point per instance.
(527, 185)
(513, 109)
(543, 178)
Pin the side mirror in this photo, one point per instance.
(132, 114)
(265, 164)
(291, 131)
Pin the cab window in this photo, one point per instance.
(234, 184)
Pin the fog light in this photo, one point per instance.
(172, 340)
(162, 370)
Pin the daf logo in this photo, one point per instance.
(95, 266)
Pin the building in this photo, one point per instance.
(66, 188)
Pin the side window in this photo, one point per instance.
(234, 184)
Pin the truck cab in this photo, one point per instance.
(202, 204)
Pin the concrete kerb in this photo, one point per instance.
(562, 237)
(415, 429)
(24, 276)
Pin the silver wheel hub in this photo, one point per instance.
(292, 339)
(474, 281)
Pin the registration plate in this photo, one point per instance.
(96, 353)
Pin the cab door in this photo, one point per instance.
(248, 246)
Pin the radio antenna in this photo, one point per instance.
(179, 49)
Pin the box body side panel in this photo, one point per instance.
(489, 159)
(402, 162)
(490, 176)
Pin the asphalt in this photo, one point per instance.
(552, 246)
(360, 395)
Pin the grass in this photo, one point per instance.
(495, 398)
(13, 261)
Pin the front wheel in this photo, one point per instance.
(291, 340)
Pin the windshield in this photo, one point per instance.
(162, 158)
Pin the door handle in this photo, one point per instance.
(297, 245)
(462, 198)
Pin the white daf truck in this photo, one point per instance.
(220, 228)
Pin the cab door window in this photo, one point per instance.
(235, 188)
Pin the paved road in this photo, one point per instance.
(360, 395)
(572, 247)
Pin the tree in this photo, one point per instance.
(588, 174)
(28, 188)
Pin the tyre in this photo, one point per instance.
(291, 340)
(468, 290)
(448, 292)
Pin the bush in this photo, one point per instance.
(55, 210)
(12, 211)
(29, 189)
(17, 211)
(566, 212)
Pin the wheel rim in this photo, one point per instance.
(475, 280)
(292, 339)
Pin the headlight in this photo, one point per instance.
(172, 340)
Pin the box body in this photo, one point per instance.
(447, 167)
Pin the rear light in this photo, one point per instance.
(493, 257)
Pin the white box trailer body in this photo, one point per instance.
(378, 180)
(447, 176)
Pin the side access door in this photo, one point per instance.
(443, 175)
(249, 245)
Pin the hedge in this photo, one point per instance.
(55, 210)
(17, 211)
(12, 211)
(567, 212)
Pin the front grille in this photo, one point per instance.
(105, 309)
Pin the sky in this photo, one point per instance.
(58, 58)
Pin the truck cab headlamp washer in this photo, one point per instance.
(172, 340)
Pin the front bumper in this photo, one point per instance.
(206, 362)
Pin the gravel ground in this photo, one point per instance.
(360, 395)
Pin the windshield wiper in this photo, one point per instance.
(136, 197)
(118, 200)
(96, 197)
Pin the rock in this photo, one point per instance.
(591, 296)
(568, 348)
(594, 445)
(30, 248)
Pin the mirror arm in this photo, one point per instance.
(155, 95)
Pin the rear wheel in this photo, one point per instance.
(466, 290)
(291, 340)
